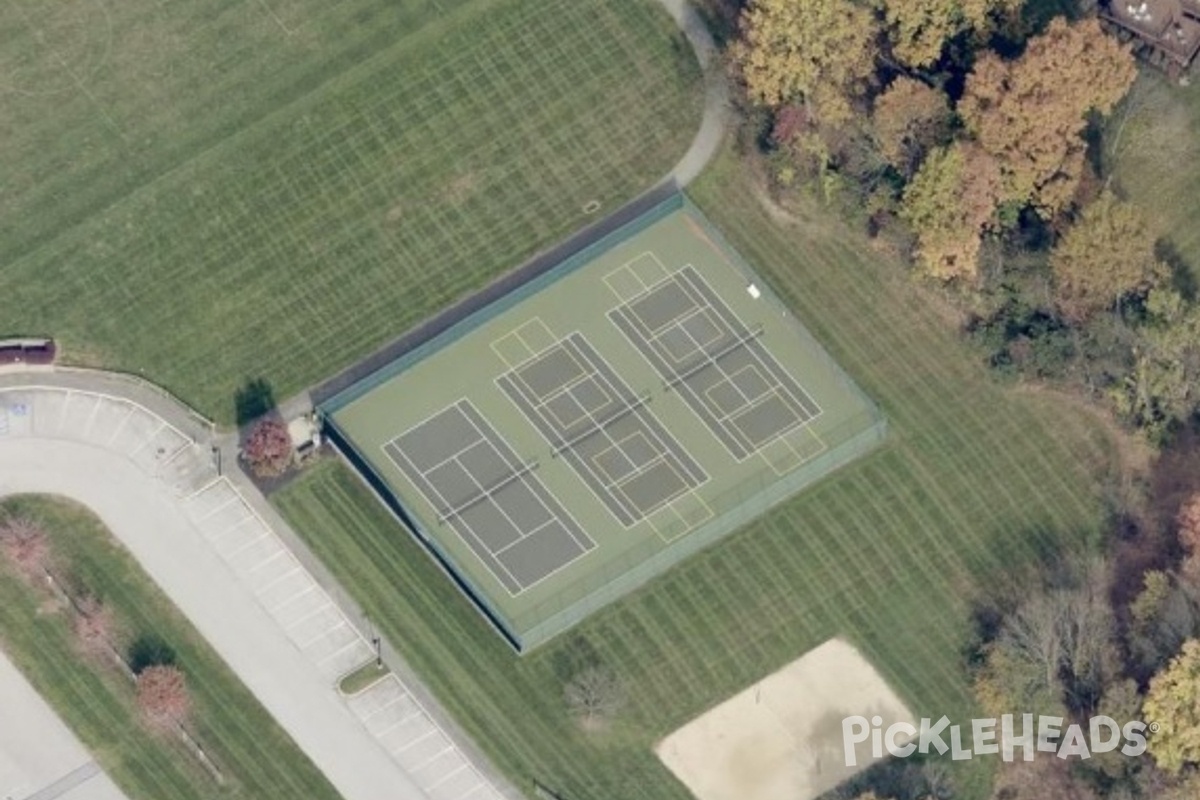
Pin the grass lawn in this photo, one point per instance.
(97, 701)
(1152, 145)
(978, 480)
(217, 191)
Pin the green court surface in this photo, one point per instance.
(590, 429)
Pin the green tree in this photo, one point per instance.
(818, 52)
(949, 203)
(910, 118)
(1173, 703)
(1106, 256)
(1030, 113)
(1163, 388)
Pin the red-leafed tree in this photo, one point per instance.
(1189, 538)
(26, 546)
(162, 696)
(268, 448)
(95, 626)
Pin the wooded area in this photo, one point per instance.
(970, 137)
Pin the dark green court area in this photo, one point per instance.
(588, 430)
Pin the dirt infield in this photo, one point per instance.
(781, 739)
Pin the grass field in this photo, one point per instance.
(978, 480)
(256, 756)
(1153, 146)
(272, 189)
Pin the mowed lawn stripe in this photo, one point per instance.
(314, 233)
(977, 480)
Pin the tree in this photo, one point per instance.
(1173, 704)
(1188, 521)
(819, 52)
(268, 448)
(594, 696)
(1030, 114)
(95, 627)
(1106, 256)
(1040, 779)
(162, 697)
(919, 29)
(1162, 388)
(909, 119)
(950, 202)
(26, 546)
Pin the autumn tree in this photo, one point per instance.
(26, 546)
(1188, 521)
(1030, 113)
(163, 697)
(820, 53)
(95, 627)
(594, 695)
(910, 118)
(919, 29)
(268, 448)
(1106, 256)
(1054, 652)
(1173, 703)
(950, 202)
(1040, 779)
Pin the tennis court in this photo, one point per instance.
(697, 344)
(581, 434)
(495, 502)
(609, 436)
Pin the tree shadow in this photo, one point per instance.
(150, 650)
(575, 656)
(255, 398)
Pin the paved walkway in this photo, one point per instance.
(716, 93)
(146, 466)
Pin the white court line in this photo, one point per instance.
(664, 448)
(691, 270)
(420, 423)
(434, 501)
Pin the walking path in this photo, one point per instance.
(716, 93)
(146, 466)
